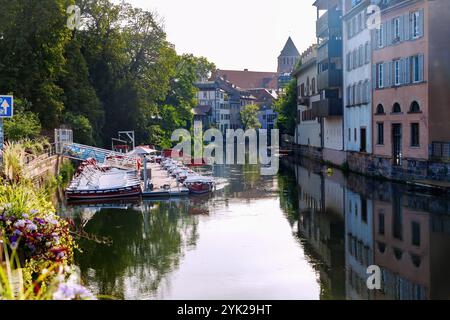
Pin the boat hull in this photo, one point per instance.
(104, 194)
(199, 188)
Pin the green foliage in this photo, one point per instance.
(249, 117)
(286, 107)
(82, 129)
(118, 72)
(66, 172)
(53, 283)
(35, 34)
(13, 162)
(24, 124)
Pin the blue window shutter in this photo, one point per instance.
(407, 26)
(389, 32)
(421, 67)
(402, 71)
(401, 28)
(407, 70)
(386, 74)
(373, 38)
(374, 76)
(385, 34)
(421, 22)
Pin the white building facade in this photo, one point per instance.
(210, 94)
(308, 128)
(357, 77)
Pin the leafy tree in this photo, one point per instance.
(286, 107)
(25, 124)
(80, 99)
(82, 129)
(249, 117)
(118, 72)
(35, 35)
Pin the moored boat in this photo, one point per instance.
(93, 182)
(199, 184)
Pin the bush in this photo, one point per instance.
(23, 125)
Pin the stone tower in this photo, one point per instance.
(288, 58)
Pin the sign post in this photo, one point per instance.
(6, 111)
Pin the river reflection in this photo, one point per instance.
(303, 234)
(350, 223)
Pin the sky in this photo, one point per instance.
(236, 34)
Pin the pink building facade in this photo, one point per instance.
(407, 118)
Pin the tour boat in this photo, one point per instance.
(199, 184)
(106, 183)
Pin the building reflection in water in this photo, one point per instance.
(349, 223)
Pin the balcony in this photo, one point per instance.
(330, 107)
(329, 79)
(303, 101)
(329, 49)
(329, 20)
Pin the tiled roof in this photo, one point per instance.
(201, 110)
(249, 79)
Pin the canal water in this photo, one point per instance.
(306, 233)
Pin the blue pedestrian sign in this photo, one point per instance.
(6, 106)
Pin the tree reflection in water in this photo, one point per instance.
(147, 245)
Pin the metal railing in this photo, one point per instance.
(440, 151)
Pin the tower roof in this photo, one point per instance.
(289, 50)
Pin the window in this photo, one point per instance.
(361, 55)
(358, 91)
(415, 142)
(380, 75)
(360, 26)
(380, 33)
(381, 224)
(349, 134)
(205, 95)
(355, 60)
(415, 108)
(364, 209)
(396, 29)
(349, 65)
(417, 68)
(396, 108)
(368, 91)
(313, 81)
(356, 135)
(380, 109)
(349, 29)
(367, 51)
(415, 232)
(355, 26)
(397, 72)
(349, 100)
(380, 131)
(415, 24)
